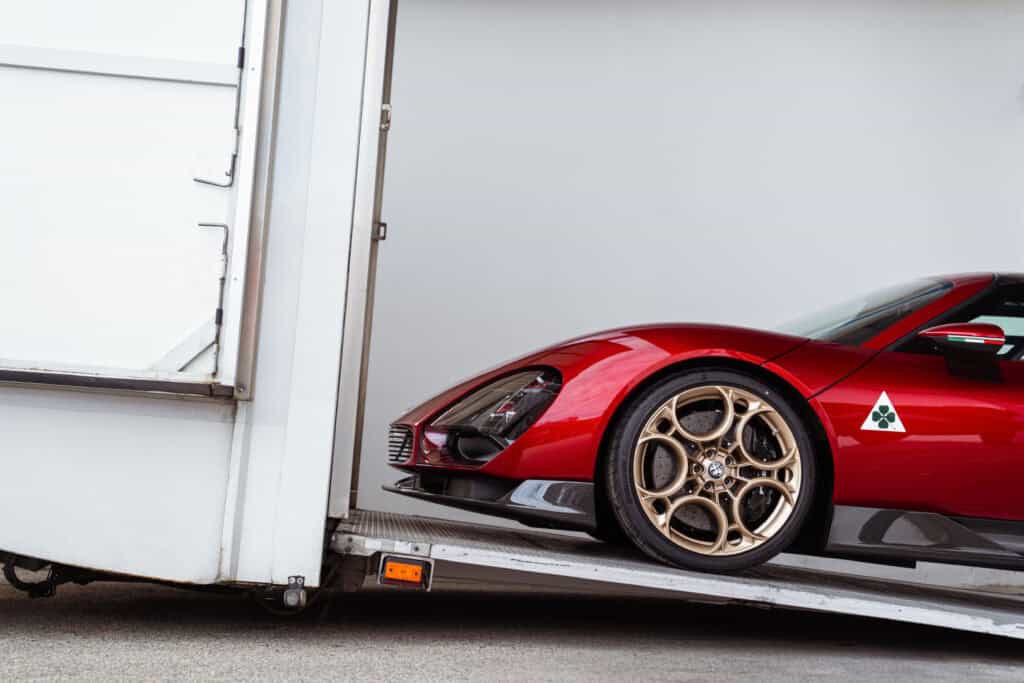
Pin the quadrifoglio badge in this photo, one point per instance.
(883, 417)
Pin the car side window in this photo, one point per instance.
(1003, 307)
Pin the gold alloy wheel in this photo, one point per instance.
(717, 470)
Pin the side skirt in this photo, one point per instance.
(904, 535)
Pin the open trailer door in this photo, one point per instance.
(127, 179)
(368, 231)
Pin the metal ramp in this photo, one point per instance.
(502, 554)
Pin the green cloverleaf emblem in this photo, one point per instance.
(884, 417)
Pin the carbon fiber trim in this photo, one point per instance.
(905, 535)
(535, 502)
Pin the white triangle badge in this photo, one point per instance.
(883, 417)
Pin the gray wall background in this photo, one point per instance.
(558, 167)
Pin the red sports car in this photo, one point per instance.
(889, 428)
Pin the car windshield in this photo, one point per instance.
(858, 320)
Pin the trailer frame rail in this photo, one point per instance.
(502, 554)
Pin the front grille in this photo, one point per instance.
(399, 445)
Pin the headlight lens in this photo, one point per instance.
(484, 423)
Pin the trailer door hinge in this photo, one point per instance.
(241, 57)
(385, 117)
(380, 232)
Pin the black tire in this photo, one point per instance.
(623, 498)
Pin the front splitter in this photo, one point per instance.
(535, 502)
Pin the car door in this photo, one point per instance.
(911, 435)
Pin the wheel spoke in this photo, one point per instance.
(739, 476)
(746, 535)
(664, 413)
(771, 484)
(660, 519)
(782, 463)
(725, 394)
(682, 464)
(716, 512)
(775, 484)
(792, 453)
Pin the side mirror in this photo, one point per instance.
(971, 349)
(982, 338)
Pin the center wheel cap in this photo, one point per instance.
(716, 469)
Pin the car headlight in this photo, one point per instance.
(483, 424)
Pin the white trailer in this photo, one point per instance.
(190, 232)
(188, 229)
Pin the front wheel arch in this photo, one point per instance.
(814, 533)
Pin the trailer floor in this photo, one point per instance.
(497, 555)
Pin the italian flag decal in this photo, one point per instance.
(883, 417)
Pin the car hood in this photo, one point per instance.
(615, 361)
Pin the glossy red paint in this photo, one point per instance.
(963, 449)
(962, 453)
(598, 373)
(815, 366)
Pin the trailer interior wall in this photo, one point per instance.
(556, 168)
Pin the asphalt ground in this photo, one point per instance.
(112, 631)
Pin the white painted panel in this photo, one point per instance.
(189, 30)
(121, 483)
(559, 167)
(103, 264)
(288, 444)
(312, 409)
(265, 421)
